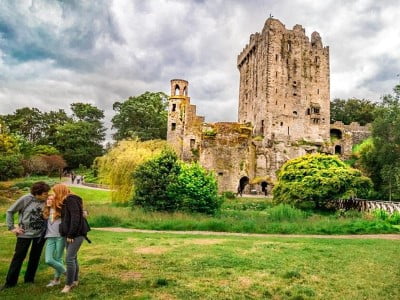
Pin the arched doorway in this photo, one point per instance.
(336, 134)
(242, 183)
(264, 186)
(338, 149)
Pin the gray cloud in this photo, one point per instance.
(53, 53)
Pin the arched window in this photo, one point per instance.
(336, 133)
(177, 90)
(185, 91)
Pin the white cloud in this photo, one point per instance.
(56, 53)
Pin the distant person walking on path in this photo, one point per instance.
(55, 242)
(73, 176)
(29, 232)
(74, 228)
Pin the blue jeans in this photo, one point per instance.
(54, 252)
(72, 259)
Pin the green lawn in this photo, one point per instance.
(166, 266)
(92, 196)
(254, 215)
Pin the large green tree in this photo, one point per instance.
(382, 158)
(27, 122)
(80, 140)
(352, 110)
(144, 117)
(314, 179)
(51, 121)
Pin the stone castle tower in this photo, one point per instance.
(284, 112)
(284, 84)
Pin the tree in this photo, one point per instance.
(195, 189)
(382, 159)
(27, 122)
(79, 143)
(151, 180)
(10, 166)
(8, 144)
(144, 116)
(80, 139)
(166, 184)
(314, 179)
(352, 110)
(51, 121)
(115, 168)
(86, 112)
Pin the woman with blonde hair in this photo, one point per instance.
(73, 228)
(55, 243)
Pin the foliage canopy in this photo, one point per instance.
(352, 110)
(382, 158)
(312, 180)
(166, 184)
(115, 168)
(143, 117)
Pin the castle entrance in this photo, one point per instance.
(242, 184)
(338, 149)
(264, 186)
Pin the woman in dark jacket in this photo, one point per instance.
(74, 228)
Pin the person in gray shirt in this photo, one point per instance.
(29, 232)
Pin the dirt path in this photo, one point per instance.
(349, 236)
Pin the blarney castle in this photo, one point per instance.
(284, 112)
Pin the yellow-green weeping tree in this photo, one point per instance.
(116, 167)
(314, 179)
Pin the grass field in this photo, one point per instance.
(165, 266)
(254, 215)
(121, 265)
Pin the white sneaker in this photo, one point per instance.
(52, 283)
(75, 284)
(66, 289)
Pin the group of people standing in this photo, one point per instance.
(55, 219)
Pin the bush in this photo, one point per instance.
(284, 212)
(164, 184)
(26, 183)
(318, 178)
(195, 190)
(394, 218)
(10, 166)
(151, 180)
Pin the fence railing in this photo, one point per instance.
(368, 205)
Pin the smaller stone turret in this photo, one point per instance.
(179, 87)
(178, 104)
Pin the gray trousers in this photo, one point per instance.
(71, 259)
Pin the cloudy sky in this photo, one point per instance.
(53, 53)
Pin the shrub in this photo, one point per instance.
(318, 178)
(151, 180)
(394, 218)
(164, 184)
(285, 212)
(10, 166)
(195, 189)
